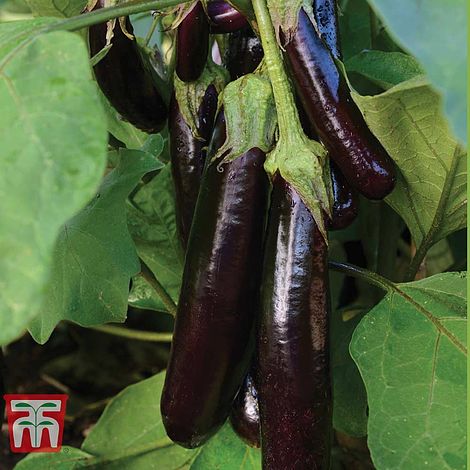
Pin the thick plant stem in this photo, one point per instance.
(416, 262)
(134, 334)
(148, 275)
(288, 116)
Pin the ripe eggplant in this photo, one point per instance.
(224, 18)
(188, 156)
(124, 79)
(293, 359)
(211, 343)
(338, 121)
(192, 44)
(244, 53)
(326, 17)
(245, 412)
(345, 202)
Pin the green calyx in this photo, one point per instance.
(250, 116)
(190, 95)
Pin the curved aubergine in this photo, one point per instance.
(245, 413)
(188, 156)
(192, 44)
(124, 79)
(244, 53)
(338, 121)
(224, 18)
(326, 16)
(293, 359)
(211, 343)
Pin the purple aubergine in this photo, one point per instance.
(337, 119)
(224, 18)
(244, 53)
(293, 348)
(245, 412)
(192, 44)
(188, 156)
(210, 351)
(326, 16)
(124, 79)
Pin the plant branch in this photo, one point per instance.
(148, 275)
(134, 334)
(364, 274)
(415, 264)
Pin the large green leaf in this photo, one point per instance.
(53, 155)
(66, 459)
(95, 257)
(355, 27)
(411, 353)
(431, 189)
(60, 8)
(435, 32)
(152, 224)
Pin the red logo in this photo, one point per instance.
(35, 422)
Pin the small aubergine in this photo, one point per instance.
(245, 412)
(338, 121)
(192, 44)
(293, 348)
(345, 202)
(188, 156)
(125, 80)
(244, 53)
(224, 18)
(210, 351)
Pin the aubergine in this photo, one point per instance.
(326, 16)
(210, 352)
(245, 412)
(244, 53)
(192, 44)
(338, 121)
(224, 18)
(293, 378)
(188, 156)
(125, 80)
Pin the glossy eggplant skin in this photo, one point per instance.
(345, 201)
(210, 351)
(326, 16)
(224, 18)
(124, 79)
(192, 44)
(188, 156)
(244, 53)
(245, 412)
(293, 359)
(337, 120)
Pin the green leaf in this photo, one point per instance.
(143, 296)
(66, 459)
(411, 352)
(132, 422)
(385, 69)
(431, 187)
(436, 33)
(355, 27)
(60, 8)
(95, 257)
(152, 224)
(226, 451)
(53, 156)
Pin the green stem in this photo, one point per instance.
(288, 116)
(148, 275)
(104, 14)
(134, 334)
(364, 274)
(415, 264)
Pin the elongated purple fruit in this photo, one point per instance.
(192, 44)
(210, 351)
(293, 369)
(244, 53)
(124, 79)
(188, 156)
(338, 121)
(245, 413)
(326, 17)
(224, 18)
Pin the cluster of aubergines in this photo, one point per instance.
(251, 332)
